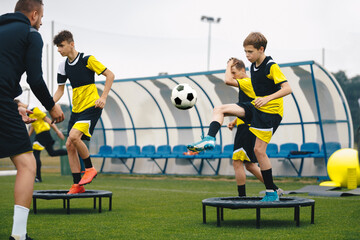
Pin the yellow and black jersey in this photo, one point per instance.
(81, 73)
(39, 125)
(246, 94)
(266, 80)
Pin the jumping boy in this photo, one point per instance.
(86, 102)
(264, 113)
(43, 139)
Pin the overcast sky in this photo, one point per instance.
(137, 38)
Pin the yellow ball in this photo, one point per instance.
(338, 165)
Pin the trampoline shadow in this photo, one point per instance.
(249, 223)
(62, 211)
(323, 191)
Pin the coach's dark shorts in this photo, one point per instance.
(244, 144)
(263, 125)
(14, 138)
(85, 121)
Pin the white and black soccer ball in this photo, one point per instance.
(183, 96)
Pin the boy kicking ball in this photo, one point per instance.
(264, 113)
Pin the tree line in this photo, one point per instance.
(351, 89)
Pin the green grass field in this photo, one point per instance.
(148, 207)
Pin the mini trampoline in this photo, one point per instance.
(61, 194)
(254, 202)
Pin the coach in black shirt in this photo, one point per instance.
(21, 51)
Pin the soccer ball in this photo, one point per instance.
(183, 96)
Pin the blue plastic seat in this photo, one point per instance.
(133, 151)
(306, 150)
(213, 153)
(104, 151)
(331, 147)
(272, 149)
(162, 151)
(179, 150)
(228, 151)
(285, 150)
(120, 152)
(147, 151)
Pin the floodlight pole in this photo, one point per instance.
(209, 20)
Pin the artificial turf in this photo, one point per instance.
(168, 207)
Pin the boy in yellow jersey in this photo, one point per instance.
(43, 139)
(264, 113)
(87, 105)
(244, 142)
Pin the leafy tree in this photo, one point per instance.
(351, 89)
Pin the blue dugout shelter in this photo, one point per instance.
(139, 112)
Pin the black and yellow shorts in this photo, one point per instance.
(14, 138)
(42, 140)
(244, 144)
(85, 121)
(263, 125)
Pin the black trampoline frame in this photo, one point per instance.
(61, 194)
(254, 202)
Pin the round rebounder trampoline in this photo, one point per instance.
(254, 202)
(61, 194)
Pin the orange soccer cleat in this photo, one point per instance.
(76, 188)
(90, 174)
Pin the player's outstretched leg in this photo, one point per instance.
(208, 142)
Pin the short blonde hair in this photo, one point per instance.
(238, 64)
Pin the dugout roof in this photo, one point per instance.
(139, 110)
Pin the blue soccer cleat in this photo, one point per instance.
(207, 143)
(270, 197)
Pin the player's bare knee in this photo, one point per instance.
(26, 165)
(69, 145)
(237, 164)
(259, 152)
(218, 109)
(74, 138)
(249, 166)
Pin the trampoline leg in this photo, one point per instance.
(99, 204)
(312, 214)
(110, 203)
(297, 216)
(218, 216)
(222, 214)
(34, 205)
(64, 206)
(94, 202)
(204, 213)
(257, 217)
(68, 206)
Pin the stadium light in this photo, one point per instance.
(209, 20)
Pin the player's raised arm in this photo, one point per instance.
(54, 127)
(229, 75)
